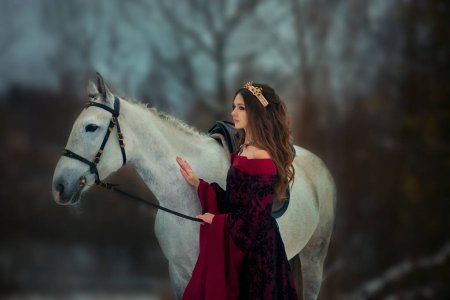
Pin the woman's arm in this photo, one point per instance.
(245, 223)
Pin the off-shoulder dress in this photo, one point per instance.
(242, 255)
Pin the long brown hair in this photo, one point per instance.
(269, 128)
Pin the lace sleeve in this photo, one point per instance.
(211, 196)
(245, 223)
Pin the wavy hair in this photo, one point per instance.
(269, 128)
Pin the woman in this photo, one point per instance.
(242, 255)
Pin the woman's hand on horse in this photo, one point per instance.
(206, 217)
(187, 172)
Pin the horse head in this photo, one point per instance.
(93, 151)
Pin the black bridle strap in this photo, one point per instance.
(112, 187)
(105, 139)
(113, 122)
(121, 144)
(115, 112)
(92, 166)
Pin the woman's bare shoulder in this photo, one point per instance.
(252, 152)
(261, 153)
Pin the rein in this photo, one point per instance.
(93, 164)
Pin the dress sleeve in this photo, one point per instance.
(211, 196)
(216, 272)
(245, 223)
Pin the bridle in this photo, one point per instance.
(93, 164)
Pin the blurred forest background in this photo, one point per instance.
(367, 85)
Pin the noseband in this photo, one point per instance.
(93, 164)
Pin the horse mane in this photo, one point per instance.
(173, 121)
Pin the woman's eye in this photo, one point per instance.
(91, 128)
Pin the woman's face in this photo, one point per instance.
(239, 112)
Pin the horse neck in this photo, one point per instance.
(152, 144)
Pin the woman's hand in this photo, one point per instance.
(187, 172)
(206, 217)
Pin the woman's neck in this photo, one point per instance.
(248, 138)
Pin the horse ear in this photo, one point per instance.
(99, 90)
(92, 91)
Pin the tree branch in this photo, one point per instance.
(397, 272)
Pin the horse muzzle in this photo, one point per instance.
(68, 192)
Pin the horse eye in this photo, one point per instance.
(91, 128)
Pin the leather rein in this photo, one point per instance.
(93, 164)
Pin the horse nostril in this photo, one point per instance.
(60, 188)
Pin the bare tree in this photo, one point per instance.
(203, 35)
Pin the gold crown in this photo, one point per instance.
(257, 91)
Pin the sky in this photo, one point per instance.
(176, 54)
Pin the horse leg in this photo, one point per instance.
(176, 250)
(296, 267)
(312, 258)
(178, 284)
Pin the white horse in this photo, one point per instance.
(152, 141)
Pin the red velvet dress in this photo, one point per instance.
(242, 255)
